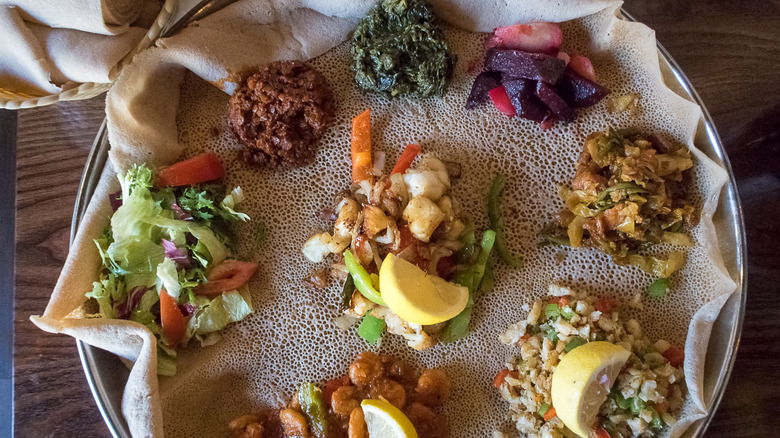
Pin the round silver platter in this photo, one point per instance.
(107, 375)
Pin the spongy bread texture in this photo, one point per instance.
(291, 337)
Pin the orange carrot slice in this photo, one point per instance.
(361, 148)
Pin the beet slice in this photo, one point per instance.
(519, 64)
(522, 94)
(502, 102)
(484, 82)
(554, 102)
(579, 91)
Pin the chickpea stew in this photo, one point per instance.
(333, 410)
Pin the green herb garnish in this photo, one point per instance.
(659, 288)
(574, 343)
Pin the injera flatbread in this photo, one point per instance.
(159, 113)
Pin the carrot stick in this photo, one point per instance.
(361, 148)
(407, 157)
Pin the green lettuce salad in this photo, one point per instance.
(174, 241)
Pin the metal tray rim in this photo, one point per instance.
(112, 414)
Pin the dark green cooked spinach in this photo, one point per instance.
(398, 49)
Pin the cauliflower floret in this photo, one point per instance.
(345, 224)
(451, 227)
(375, 220)
(321, 245)
(316, 248)
(429, 179)
(395, 197)
(423, 217)
(392, 236)
(419, 341)
(359, 305)
(413, 333)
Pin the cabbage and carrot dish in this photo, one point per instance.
(628, 194)
(166, 257)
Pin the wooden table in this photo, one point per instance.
(729, 50)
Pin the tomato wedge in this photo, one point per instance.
(675, 356)
(173, 325)
(198, 169)
(602, 433)
(605, 305)
(501, 376)
(227, 276)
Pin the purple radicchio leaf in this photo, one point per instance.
(180, 213)
(116, 200)
(124, 308)
(179, 256)
(188, 309)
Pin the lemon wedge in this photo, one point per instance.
(386, 421)
(582, 381)
(417, 297)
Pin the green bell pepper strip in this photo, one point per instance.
(466, 252)
(371, 328)
(458, 327)
(489, 239)
(362, 279)
(494, 214)
(313, 407)
(488, 281)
